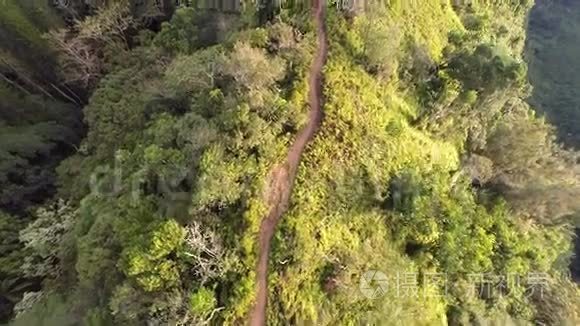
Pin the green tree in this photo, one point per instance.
(486, 69)
(251, 68)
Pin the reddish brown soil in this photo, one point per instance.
(282, 177)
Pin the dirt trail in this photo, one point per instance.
(282, 177)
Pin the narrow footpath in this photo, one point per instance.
(282, 177)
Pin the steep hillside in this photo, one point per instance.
(552, 53)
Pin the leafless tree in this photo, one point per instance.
(207, 251)
(81, 48)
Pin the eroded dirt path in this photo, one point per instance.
(282, 177)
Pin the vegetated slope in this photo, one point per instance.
(553, 49)
(429, 167)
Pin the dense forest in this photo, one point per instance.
(143, 143)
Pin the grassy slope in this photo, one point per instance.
(364, 140)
